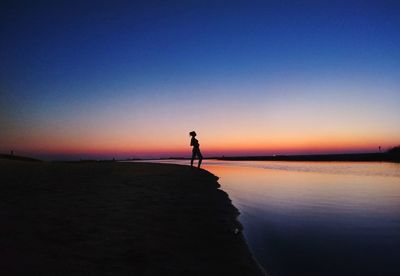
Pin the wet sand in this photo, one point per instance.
(109, 218)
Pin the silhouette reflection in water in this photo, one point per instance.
(196, 149)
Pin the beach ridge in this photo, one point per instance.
(118, 218)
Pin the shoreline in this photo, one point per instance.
(345, 157)
(350, 157)
(102, 218)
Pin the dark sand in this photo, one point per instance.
(108, 218)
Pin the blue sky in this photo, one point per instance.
(75, 68)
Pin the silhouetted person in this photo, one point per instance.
(196, 149)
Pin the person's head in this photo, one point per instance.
(192, 133)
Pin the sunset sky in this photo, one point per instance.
(83, 79)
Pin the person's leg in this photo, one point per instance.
(193, 156)
(200, 158)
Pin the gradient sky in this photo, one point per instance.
(132, 78)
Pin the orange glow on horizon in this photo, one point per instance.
(208, 151)
(168, 142)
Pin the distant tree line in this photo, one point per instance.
(394, 150)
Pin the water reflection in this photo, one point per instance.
(317, 218)
(296, 191)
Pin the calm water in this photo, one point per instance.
(317, 218)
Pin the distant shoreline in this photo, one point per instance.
(345, 157)
(350, 157)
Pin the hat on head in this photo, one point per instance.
(192, 133)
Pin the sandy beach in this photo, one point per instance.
(110, 218)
